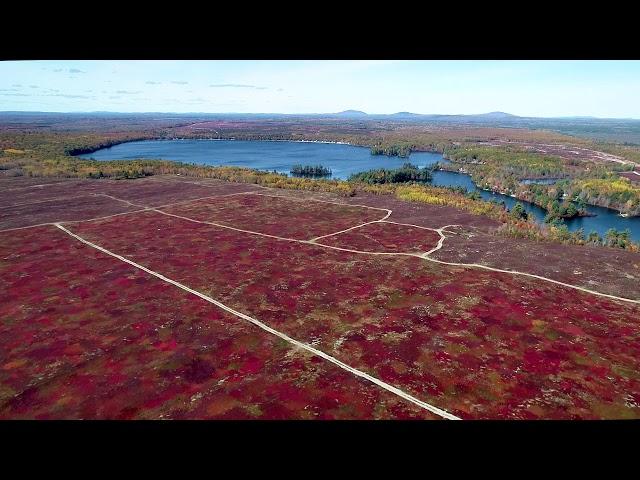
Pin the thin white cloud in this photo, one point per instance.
(237, 85)
(61, 95)
(68, 96)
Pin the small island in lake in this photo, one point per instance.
(314, 171)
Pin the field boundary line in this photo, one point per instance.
(323, 201)
(227, 226)
(424, 256)
(173, 203)
(440, 241)
(345, 230)
(142, 209)
(306, 242)
(76, 221)
(532, 275)
(40, 185)
(200, 198)
(94, 219)
(54, 199)
(179, 180)
(28, 226)
(297, 343)
(420, 226)
(352, 228)
(119, 199)
(392, 254)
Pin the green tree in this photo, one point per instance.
(594, 238)
(571, 211)
(518, 212)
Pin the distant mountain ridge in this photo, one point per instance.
(495, 115)
(352, 113)
(411, 115)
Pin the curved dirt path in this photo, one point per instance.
(423, 256)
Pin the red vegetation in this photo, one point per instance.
(84, 335)
(277, 216)
(607, 270)
(385, 237)
(424, 215)
(154, 191)
(37, 202)
(76, 208)
(478, 344)
(633, 176)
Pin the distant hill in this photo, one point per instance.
(352, 113)
(495, 115)
(406, 115)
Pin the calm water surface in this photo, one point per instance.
(343, 160)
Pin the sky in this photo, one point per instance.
(607, 89)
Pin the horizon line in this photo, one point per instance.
(341, 113)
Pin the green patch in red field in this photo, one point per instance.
(385, 237)
(84, 335)
(279, 216)
(478, 344)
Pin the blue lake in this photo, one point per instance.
(343, 160)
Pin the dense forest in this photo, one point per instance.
(403, 150)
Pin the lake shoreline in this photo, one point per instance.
(344, 159)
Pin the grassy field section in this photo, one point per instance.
(385, 237)
(83, 335)
(33, 190)
(155, 192)
(145, 191)
(478, 344)
(77, 208)
(273, 215)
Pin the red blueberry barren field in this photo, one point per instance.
(164, 298)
